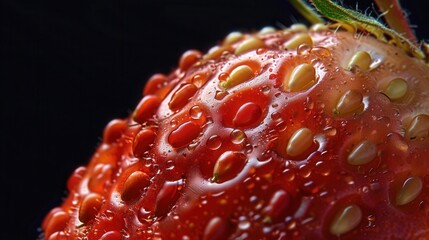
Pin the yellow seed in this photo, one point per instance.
(396, 88)
(300, 141)
(318, 27)
(266, 30)
(239, 75)
(361, 59)
(346, 220)
(302, 77)
(233, 37)
(411, 188)
(419, 127)
(249, 45)
(216, 52)
(363, 153)
(350, 102)
(298, 27)
(297, 40)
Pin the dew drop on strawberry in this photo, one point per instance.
(237, 136)
(184, 134)
(195, 112)
(199, 79)
(214, 142)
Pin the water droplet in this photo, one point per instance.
(244, 225)
(276, 116)
(145, 216)
(223, 76)
(304, 171)
(322, 168)
(195, 112)
(272, 76)
(266, 90)
(289, 175)
(237, 136)
(220, 95)
(214, 142)
(174, 122)
(330, 131)
(169, 165)
(199, 80)
(260, 51)
(304, 49)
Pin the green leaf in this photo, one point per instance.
(359, 21)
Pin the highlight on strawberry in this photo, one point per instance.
(317, 132)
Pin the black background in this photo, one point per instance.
(69, 67)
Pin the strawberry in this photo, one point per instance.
(299, 133)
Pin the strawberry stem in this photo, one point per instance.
(305, 10)
(396, 18)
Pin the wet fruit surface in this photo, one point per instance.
(291, 134)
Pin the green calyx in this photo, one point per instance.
(357, 21)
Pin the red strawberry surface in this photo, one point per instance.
(290, 134)
(293, 134)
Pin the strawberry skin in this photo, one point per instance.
(292, 134)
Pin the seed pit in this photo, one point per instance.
(409, 191)
(303, 77)
(396, 89)
(297, 40)
(363, 153)
(249, 45)
(346, 220)
(239, 75)
(361, 60)
(300, 141)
